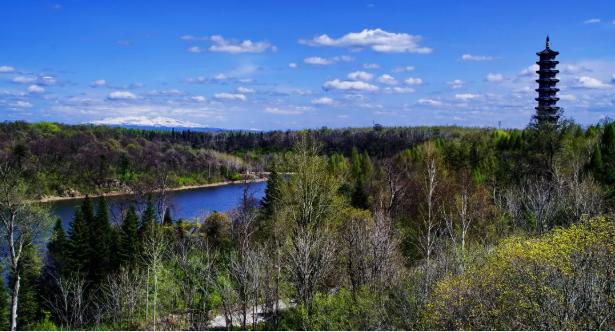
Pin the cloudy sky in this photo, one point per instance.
(300, 64)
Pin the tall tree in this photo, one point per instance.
(129, 238)
(22, 224)
(29, 311)
(78, 243)
(101, 239)
(168, 219)
(148, 218)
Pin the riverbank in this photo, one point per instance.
(48, 199)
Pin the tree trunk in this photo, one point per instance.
(14, 299)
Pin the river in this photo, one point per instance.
(185, 204)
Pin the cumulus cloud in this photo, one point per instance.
(360, 76)
(242, 89)
(6, 69)
(198, 99)
(220, 44)
(397, 89)
(376, 39)
(529, 71)
(283, 111)
(592, 21)
(36, 89)
(466, 96)
(122, 95)
(22, 104)
(494, 77)
(98, 83)
(194, 49)
(292, 65)
(323, 101)
(429, 102)
(24, 79)
(387, 79)
(592, 83)
(456, 84)
(403, 69)
(470, 57)
(413, 81)
(230, 96)
(316, 60)
(337, 84)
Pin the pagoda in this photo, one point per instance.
(547, 112)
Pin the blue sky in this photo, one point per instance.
(301, 64)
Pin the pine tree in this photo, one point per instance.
(100, 242)
(271, 194)
(78, 243)
(168, 220)
(148, 218)
(129, 238)
(57, 249)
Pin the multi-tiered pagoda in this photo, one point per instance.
(547, 112)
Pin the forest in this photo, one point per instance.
(427, 228)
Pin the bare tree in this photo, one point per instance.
(69, 302)
(154, 252)
(23, 225)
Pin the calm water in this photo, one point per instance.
(185, 204)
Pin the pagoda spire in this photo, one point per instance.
(547, 111)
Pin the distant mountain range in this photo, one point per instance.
(157, 123)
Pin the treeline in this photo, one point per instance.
(70, 160)
(485, 230)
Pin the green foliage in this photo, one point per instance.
(129, 238)
(29, 309)
(78, 243)
(567, 274)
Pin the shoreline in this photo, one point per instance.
(51, 199)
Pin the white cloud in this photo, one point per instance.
(242, 89)
(198, 99)
(387, 79)
(413, 81)
(323, 101)
(568, 97)
(397, 89)
(159, 121)
(470, 57)
(360, 76)
(24, 79)
(230, 96)
(122, 95)
(191, 37)
(316, 60)
(376, 39)
(98, 83)
(429, 102)
(280, 111)
(592, 83)
(349, 85)
(592, 21)
(466, 96)
(494, 77)
(456, 84)
(36, 89)
(195, 49)
(403, 69)
(220, 77)
(529, 71)
(235, 47)
(371, 66)
(6, 69)
(22, 104)
(292, 65)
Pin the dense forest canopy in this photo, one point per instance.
(373, 228)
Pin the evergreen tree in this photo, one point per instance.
(129, 238)
(4, 306)
(57, 247)
(271, 194)
(78, 243)
(608, 153)
(168, 220)
(148, 218)
(100, 242)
